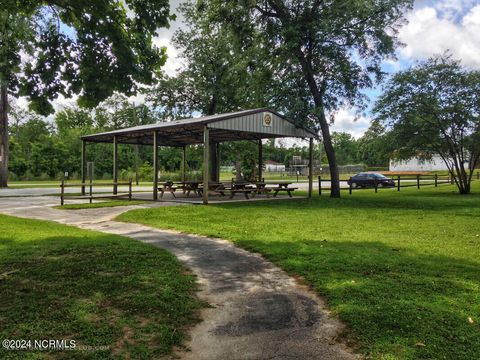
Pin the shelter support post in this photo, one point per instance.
(217, 173)
(310, 169)
(214, 162)
(184, 162)
(84, 165)
(260, 160)
(115, 165)
(155, 165)
(206, 161)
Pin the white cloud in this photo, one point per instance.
(447, 26)
(173, 63)
(347, 121)
(164, 38)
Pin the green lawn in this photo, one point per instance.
(60, 282)
(402, 270)
(100, 204)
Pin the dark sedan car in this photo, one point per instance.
(369, 179)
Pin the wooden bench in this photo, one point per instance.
(289, 191)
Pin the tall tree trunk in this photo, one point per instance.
(238, 167)
(317, 95)
(3, 136)
(332, 159)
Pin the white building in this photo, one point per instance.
(274, 166)
(436, 163)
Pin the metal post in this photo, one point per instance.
(130, 190)
(206, 160)
(260, 160)
(418, 181)
(184, 162)
(319, 185)
(83, 165)
(90, 191)
(217, 150)
(350, 186)
(62, 192)
(398, 183)
(115, 165)
(155, 165)
(436, 180)
(310, 169)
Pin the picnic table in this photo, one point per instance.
(189, 186)
(261, 188)
(233, 188)
(167, 186)
(283, 186)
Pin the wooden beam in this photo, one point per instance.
(84, 165)
(155, 165)
(214, 162)
(260, 160)
(310, 169)
(115, 165)
(184, 162)
(206, 160)
(217, 149)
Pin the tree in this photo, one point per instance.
(88, 49)
(346, 148)
(434, 108)
(375, 147)
(219, 76)
(321, 53)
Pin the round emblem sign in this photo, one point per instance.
(267, 119)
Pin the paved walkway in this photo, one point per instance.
(258, 311)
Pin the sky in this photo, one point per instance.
(433, 27)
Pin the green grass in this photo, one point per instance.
(101, 204)
(402, 270)
(60, 282)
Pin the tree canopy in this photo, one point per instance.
(84, 48)
(88, 49)
(434, 108)
(321, 53)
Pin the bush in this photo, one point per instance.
(126, 175)
(12, 176)
(28, 176)
(44, 176)
(145, 172)
(170, 176)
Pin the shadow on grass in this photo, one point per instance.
(411, 200)
(99, 290)
(398, 302)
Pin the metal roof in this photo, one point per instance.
(240, 125)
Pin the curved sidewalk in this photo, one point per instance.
(258, 311)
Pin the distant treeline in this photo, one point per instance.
(44, 150)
